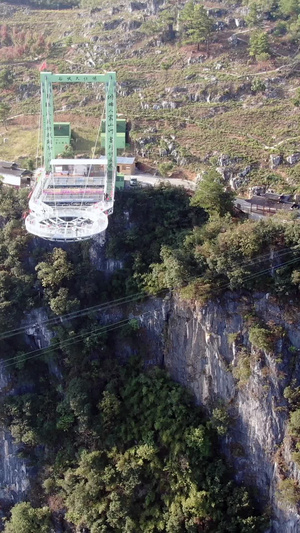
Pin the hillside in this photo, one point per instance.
(150, 377)
(190, 106)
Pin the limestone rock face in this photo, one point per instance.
(275, 160)
(293, 158)
(14, 471)
(199, 355)
(200, 346)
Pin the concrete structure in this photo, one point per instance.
(12, 177)
(125, 165)
(62, 136)
(265, 205)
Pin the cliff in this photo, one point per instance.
(198, 354)
(15, 472)
(203, 348)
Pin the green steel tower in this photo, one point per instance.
(109, 79)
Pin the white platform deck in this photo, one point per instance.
(68, 206)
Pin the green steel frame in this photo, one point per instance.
(109, 79)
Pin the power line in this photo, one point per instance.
(126, 299)
(137, 296)
(107, 328)
(59, 344)
(77, 314)
(266, 256)
(257, 274)
(68, 342)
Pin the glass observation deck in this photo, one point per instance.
(70, 203)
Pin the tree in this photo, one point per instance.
(166, 65)
(30, 164)
(294, 424)
(290, 8)
(68, 151)
(4, 112)
(197, 25)
(254, 16)
(165, 169)
(26, 519)
(289, 491)
(6, 78)
(163, 26)
(167, 20)
(210, 195)
(259, 46)
(62, 303)
(53, 273)
(261, 338)
(55, 270)
(157, 469)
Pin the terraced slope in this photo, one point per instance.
(189, 108)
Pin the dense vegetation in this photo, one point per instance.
(134, 455)
(118, 448)
(124, 449)
(168, 248)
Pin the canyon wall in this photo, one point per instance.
(200, 346)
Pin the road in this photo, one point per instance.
(142, 178)
(149, 179)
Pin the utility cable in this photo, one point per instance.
(106, 328)
(265, 257)
(68, 342)
(123, 300)
(257, 274)
(58, 344)
(77, 314)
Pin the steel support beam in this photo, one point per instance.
(109, 79)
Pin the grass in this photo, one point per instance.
(22, 143)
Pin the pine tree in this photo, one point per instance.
(290, 7)
(4, 112)
(254, 16)
(197, 26)
(259, 45)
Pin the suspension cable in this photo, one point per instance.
(39, 137)
(94, 151)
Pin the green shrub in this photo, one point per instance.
(292, 395)
(259, 46)
(232, 337)
(294, 424)
(26, 519)
(258, 86)
(220, 420)
(296, 457)
(289, 491)
(261, 338)
(242, 371)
